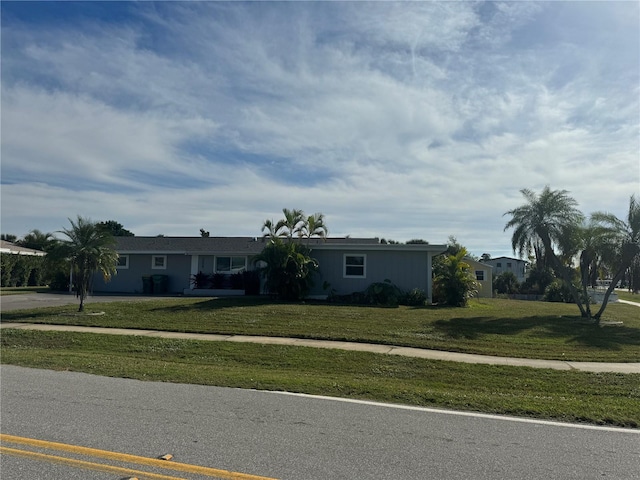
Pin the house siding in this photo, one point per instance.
(130, 279)
(507, 264)
(485, 287)
(407, 270)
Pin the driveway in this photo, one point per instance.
(9, 303)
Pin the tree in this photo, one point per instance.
(417, 241)
(287, 268)
(455, 281)
(8, 237)
(506, 282)
(547, 222)
(116, 229)
(270, 227)
(314, 225)
(484, 257)
(291, 224)
(204, 233)
(90, 249)
(37, 240)
(621, 240)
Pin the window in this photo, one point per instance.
(231, 264)
(499, 265)
(158, 262)
(123, 262)
(508, 264)
(480, 275)
(355, 266)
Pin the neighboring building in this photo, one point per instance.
(347, 265)
(507, 264)
(484, 276)
(12, 248)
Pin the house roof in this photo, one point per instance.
(9, 247)
(506, 258)
(248, 245)
(189, 245)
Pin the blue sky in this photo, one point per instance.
(395, 119)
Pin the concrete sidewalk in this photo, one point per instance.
(360, 347)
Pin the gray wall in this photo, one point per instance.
(130, 280)
(407, 270)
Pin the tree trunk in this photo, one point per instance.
(629, 252)
(564, 273)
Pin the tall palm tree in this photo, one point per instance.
(270, 227)
(291, 224)
(622, 245)
(90, 249)
(551, 219)
(314, 226)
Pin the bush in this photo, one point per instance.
(557, 291)
(383, 293)
(506, 282)
(237, 281)
(251, 283)
(415, 298)
(22, 270)
(200, 280)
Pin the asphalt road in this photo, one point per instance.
(9, 303)
(294, 437)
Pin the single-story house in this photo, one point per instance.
(507, 264)
(346, 265)
(484, 276)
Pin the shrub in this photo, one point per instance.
(415, 298)
(557, 291)
(251, 283)
(237, 281)
(506, 282)
(200, 280)
(383, 293)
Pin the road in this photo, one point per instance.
(278, 435)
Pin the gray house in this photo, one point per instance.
(507, 264)
(346, 264)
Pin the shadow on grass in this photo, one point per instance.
(219, 304)
(573, 329)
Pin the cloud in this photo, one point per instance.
(399, 120)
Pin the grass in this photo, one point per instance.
(625, 295)
(488, 326)
(598, 398)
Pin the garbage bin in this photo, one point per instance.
(160, 283)
(147, 284)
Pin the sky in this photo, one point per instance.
(398, 120)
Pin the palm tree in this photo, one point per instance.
(90, 249)
(291, 224)
(314, 226)
(621, 244)
(547, 222)
(270, 227)
(454, 279)
(37, 240)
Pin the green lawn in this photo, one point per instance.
(597, 398)
(625, 295)
(489, 326)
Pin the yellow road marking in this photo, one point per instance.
(124, 457)
(82, 464)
